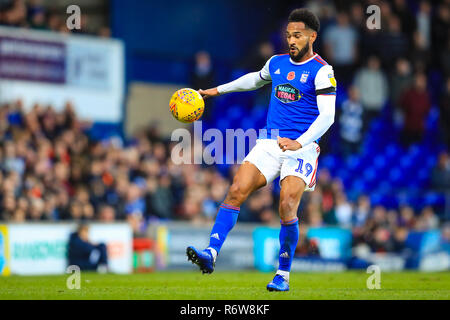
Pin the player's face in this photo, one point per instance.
(299, 39)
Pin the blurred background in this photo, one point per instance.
(85, 134)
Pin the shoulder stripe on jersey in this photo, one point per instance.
(324, 63)
(282, 54)
(326, 90)
(321, 59)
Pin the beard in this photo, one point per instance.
(297, 57)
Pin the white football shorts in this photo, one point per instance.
(267, 156)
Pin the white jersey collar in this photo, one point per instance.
(299, 63)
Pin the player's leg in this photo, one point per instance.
(290, 195)
(298, 174)
(247, 179)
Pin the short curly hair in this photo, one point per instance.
(307, 17)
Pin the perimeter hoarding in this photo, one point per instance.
(4, 251)
(36, 249)
(174, 238)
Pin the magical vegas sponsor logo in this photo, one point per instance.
(287, 93)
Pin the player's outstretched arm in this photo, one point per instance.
(248, 82)
(213, 92)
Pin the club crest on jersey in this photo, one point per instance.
(291, 75)
(304, 77)
(287, 93)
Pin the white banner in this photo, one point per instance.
(87, 71)
(41, 248)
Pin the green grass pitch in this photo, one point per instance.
(239, 285)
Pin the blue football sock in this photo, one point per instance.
(288, 243)
(225, 221)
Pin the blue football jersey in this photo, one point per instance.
(295, 86)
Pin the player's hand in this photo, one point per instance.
(288, 144)
(208, 93)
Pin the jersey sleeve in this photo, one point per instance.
(264, 74)
(325, 82)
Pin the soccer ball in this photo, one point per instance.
(187, 105)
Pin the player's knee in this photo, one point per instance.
(236, 194)
(288, 205)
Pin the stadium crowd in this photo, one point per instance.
(51, 170)
(39, 15)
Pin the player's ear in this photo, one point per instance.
(313, 37)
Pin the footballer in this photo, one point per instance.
(301, 109)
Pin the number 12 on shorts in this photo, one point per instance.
(308, 167)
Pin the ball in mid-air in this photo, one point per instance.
(187, 105)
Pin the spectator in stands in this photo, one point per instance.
(379, 217)
(439, 36)
(160, 199)
(351, 122)
(8, 206)
(381, 241)
(419, 55)
(445, 237)
(257, 60)
(54, 22)
(440, 176)
(362, 211)
(357, 17)
(85, 27)
(394, 39)
(415, 103)
(11, 161)
(427, 220)
(400, 80)
(340, 46)
(269, 217)
(444, 58)
(399, 240)
(372, 82)
(85, 254)
(135, 204)
(444, 112)
(38, 19)
(106, 214)
(203, 74)
(257, 202)
(403, 11)
(392, 219)
(202, 77)
(37, 210)
(343, 210)
(407, 218)
(423, 19)
(104, 32)
(15, 13)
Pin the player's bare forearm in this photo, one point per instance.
(213, 92)
(288, 144)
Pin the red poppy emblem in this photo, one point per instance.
(291, 75)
